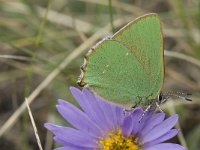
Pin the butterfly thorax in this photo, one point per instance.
(144, 101)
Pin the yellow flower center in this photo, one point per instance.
(116, 141)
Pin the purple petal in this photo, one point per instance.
(166, 146)
(127, 126)
(61, 141)
(155, 119)
(90, 106)
(145, 120)
(96, 112)
(165, 137)
(72, 148)
(120, 115)
(69, 145)
(137, 113)
(160, 129)
(107, 111)
(72, 136)
(78, 119)
(114, 109)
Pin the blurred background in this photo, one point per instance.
(42, 44)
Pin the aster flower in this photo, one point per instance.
(104, 126)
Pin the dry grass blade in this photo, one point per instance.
(10, 122)
(183, 57)
(53, 16)
(65, 20)
(34, 126)
(16, 57)
(127, 7)
(182, 79)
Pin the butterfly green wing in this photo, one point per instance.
(144, 38)
(128, 68)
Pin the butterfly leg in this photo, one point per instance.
(151, 108)
(126, 110)
(158, 106)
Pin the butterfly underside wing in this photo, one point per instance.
(127, 68)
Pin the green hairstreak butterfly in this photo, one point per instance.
(127, 68)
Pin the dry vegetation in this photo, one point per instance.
(42, 44)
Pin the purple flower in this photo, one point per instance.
(101, 125)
